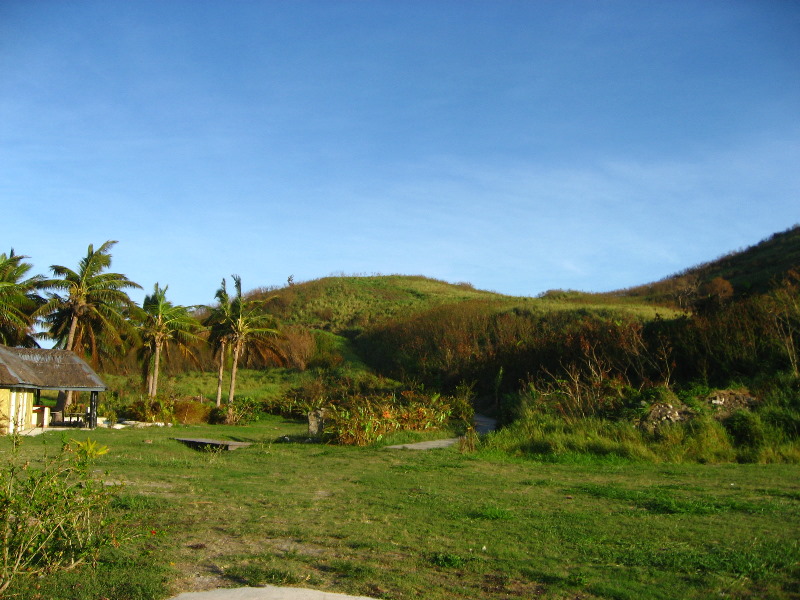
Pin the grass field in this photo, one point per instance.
(434, 525)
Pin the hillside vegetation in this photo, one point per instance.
(635, 371)
(754, 270)
(352, 304)
(348, 303)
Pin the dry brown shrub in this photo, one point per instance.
(298, 346)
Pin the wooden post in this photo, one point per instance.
(93, 411)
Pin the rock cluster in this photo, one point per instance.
(725, 402)
(664, 413)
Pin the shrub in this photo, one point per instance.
(148, 410)
(782, 419)
(244, 410)
(746, 428)
(53, 517)
(218, 415)
(362, 420)
(192, 412)
(702, 440)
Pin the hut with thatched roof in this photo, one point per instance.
(25, 372)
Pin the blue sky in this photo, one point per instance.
(518, 145)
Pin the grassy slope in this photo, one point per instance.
(342, 303)
(403, 524)
(347, 304)
(752, 270)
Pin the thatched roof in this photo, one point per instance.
(44, 369)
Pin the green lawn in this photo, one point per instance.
(434, 525)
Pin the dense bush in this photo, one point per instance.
(361, 408)
(473, 340)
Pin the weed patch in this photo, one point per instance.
(446, 560)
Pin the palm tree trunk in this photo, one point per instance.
(236, 349)
(221, 373)
(154, 380)
(73, 326)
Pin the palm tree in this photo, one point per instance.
(217, 322)
(161, 325)
(19, 300)
(91, 316)
(240, 324)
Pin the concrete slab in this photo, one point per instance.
(425, 445)
(40, 430)
(268, 592)
(207, 444)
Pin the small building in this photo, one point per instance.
(25, 372)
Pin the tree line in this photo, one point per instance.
(87, 310)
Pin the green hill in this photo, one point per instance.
(754, 270)
(350, 304)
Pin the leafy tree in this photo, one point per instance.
(161, 325)
(20, 297)
(238, 324)
(714, 295)
(90, 316)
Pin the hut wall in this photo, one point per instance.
(16, 410)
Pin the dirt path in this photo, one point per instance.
(483, 424)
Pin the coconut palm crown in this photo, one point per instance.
(90, 316)
(20, 298)
(239, 324)
(163, 325)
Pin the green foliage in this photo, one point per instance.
(446, 560)
(87, 451)
(118, 574)
(90, 317)
(746, 429)
(163, 325)
(20, 298)
(364, 420)
(148, 410)
(362, 408)
(351, 304)
(244, 410)
(52, 517)
(754, 270)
